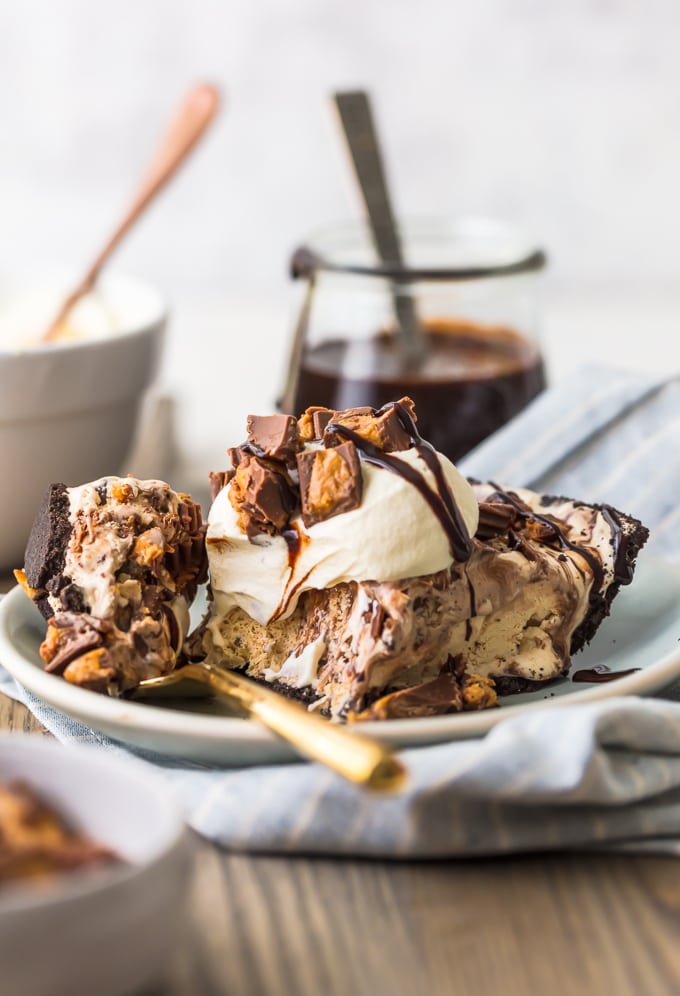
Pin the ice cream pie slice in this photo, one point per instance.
(354, 567)
(114, 565)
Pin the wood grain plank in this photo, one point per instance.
(558, 924)
(209, 941)
(17, 718)
(13, 715)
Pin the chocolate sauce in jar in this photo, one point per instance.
(473, 380)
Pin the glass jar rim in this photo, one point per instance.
(306, 260)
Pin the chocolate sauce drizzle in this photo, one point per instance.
(599, 674)
(294, 544)
(441, 501)
(253, 449)
(295, 540)
(473, 609)
(527, 513)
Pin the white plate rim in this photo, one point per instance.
(141, 718)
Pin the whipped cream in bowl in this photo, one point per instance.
(25, 314)
(69, 408)
(29, 302)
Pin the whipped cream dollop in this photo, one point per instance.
(393, 534)
(26, 313)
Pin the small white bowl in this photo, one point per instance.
(106, 931)
(69, 409)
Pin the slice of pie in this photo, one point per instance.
(352, 566)
(114, 566)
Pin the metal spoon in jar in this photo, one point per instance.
(358, 127)
(353, 755)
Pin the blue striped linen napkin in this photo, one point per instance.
(602, 775)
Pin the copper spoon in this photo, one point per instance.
(190, 122)
(355, 756)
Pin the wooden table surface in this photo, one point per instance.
(553, 925)
(607, 926)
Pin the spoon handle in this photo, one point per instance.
(358, 127)
(186, 128)
(353, 755)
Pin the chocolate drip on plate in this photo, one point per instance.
(599, 674)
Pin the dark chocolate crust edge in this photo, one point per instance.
(507, 684)
(47, 543)
(305, 695)
(633, 537)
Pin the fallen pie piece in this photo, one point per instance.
(380, 583)
(114, 566)
(35, 842)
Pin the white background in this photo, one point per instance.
(563, 117)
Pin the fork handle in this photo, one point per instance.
(353, 755)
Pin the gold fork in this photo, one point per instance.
(354, 755)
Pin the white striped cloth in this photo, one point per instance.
(596, 775)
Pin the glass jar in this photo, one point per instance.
(470, 287)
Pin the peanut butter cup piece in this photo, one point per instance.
(382, 428)
(330, 482)
(312, 423)
(69, 635)
(432, 698)
(262, 494)
(446, 694)
(218, 480)
(409, 404)
(320, 420)
(495, 519)
(274, 436)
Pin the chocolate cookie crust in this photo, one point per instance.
(48, 537)
(46, 550)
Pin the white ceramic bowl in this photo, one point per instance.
(109, 931)
(68, 410)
